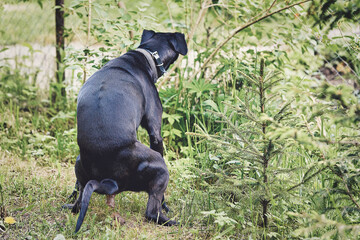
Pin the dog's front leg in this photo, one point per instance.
(156, 143)
(152, 123)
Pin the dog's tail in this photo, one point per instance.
(106, 186)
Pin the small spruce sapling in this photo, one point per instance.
(251, 150)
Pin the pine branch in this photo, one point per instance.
(243, 131)
(272, 83)
(256, 151)
(249, 78)
(284, 116)
(222, 142)
(276, 152)
(252, 89)
(270, 76)
(348, 192)
(282, 110)
(248, 113)
(354, 143)
(271, 97)
(303, 181)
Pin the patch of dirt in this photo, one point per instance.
(118, 219)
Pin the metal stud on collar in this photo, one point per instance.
(158, 61)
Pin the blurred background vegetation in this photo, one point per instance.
(261, 118)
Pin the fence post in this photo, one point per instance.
(60, 43)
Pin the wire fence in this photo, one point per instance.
(336, 67)
(27, 41)
(27, 44)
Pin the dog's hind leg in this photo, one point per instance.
(75, 192)
(157, 187)
(151, 176)
(77, 205)
(73, 195)
(154, 171)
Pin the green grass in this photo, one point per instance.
(42, 141)
(33, 195)
(38, 143)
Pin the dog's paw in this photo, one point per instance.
(67, 206)
(162, 220)
(170, 223)
(76, 208)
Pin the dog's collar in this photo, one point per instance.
(158, 61)
(154, 60)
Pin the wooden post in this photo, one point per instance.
(60, 43)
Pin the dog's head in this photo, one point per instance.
(168, 45)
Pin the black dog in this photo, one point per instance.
(111, 106)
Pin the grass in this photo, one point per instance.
(37, 185)
(42, 143)
(34, 194)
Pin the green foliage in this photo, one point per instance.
(333, 229)
(335, 134)
(30, 126)
(251, 153)
(332, 11)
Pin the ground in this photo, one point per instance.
(33, 195)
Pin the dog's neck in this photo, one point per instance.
(159, 63)
(167, 58)
(149, 57)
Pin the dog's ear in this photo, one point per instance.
(179, 43)
(146, 35)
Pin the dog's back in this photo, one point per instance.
(108, 108)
